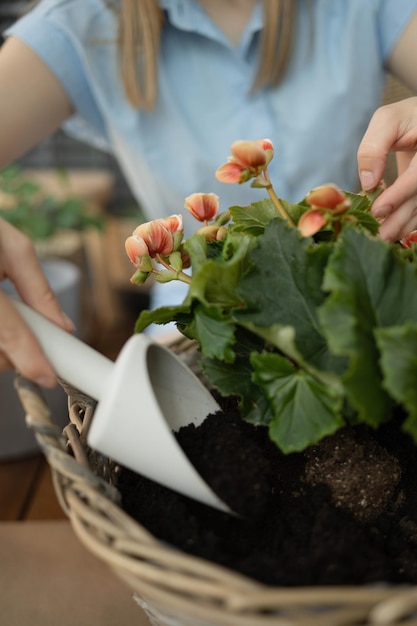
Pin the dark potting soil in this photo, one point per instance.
(343, 512)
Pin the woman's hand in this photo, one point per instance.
(18, 346)
(393, 127)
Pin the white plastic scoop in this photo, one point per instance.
(142, 397)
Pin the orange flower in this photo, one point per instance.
(248, 160)
(311, 221)
(157, 237)
(203, 206)
(328, 196)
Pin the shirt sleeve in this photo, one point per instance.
(60, 54)
(393, 17)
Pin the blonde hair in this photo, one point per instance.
(140, 25)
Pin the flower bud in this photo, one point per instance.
(209, 232)
(139, 278)
(221, 233)
(328, 196)
(203, 206)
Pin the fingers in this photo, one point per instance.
(400, 222)
(381, 135)
(392, 128)
(19, 263)
(397, 205)
(18, 346)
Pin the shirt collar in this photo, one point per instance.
(189, 15)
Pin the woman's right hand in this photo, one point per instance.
(19, 348)
(393, 127)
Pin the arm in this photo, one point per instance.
(32, 105)
(394, 128)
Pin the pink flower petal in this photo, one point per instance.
(174, 223)
(136, 248)
(230, 173)
(311, 222)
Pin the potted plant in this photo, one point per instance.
(306, 327)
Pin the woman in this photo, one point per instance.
(167, 86)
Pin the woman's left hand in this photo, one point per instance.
(393, 127)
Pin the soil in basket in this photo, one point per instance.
(344, 512)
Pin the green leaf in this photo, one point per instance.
(284, 287)
(283, 338)
(365, 221)
(398, 346)
(215, 334)
(163, 315)
(215, 279)
(303, 409)
(370, 286)
(196, 246)
(295, 211)
(252, 219)
(236, 380)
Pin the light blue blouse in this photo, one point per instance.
(315, 118)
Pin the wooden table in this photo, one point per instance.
(26, 491)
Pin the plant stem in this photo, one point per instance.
(280, 207)
(277, 202)
(182, 276)
(163, 263)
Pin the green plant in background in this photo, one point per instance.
(39, 214)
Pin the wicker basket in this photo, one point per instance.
(173, 588)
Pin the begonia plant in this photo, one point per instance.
(300, 310)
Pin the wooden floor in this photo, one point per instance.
(26, 490)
